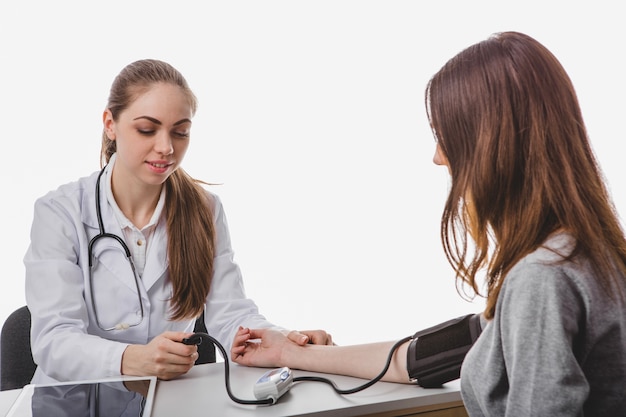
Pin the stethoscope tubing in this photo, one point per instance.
(101, 235)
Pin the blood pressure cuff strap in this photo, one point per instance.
(435, 355)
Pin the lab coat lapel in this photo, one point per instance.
(157, 260)
(88, 205)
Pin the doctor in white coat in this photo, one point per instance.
(120, 263)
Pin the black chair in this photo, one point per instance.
(206, 351)
(16, 361)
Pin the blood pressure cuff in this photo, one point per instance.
(435, 355)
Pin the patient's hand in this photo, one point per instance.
(265, 352)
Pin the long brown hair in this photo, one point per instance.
(190, 228)
(506, 116)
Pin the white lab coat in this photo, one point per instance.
(66, 342)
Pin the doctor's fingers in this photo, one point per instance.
(171, 365)
(172, 371)
(163, 365)
(182, 363)
(316, 337)
(165, 349)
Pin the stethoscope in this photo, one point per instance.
(103, 235)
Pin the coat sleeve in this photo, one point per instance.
(227, 304)
(55, 289)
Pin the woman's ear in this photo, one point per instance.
(108, 123)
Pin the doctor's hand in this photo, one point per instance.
(315, 337)
(164, 357)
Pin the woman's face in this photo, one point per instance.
(152, 134)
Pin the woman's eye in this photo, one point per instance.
(182, 134)
(145, 131)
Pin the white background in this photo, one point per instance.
(312, 120)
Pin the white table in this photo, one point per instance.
(202, 393)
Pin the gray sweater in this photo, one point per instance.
(555, 347)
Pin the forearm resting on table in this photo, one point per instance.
(362, 361)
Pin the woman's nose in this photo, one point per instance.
(163, 144)
(439, 158)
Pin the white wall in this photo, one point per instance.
(312, 119)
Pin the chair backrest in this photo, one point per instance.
(206, 351)
(16, 361)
